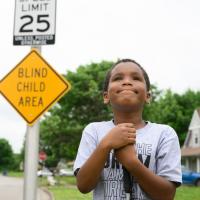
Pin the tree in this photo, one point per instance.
(61, 130)
(6, 155)
(167, 111)
(189, 101)
(173, 109)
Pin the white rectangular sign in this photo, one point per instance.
(35, 22)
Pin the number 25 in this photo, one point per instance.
(40, 20)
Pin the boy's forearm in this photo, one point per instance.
(158, 188)
(89, 174)
(155, 186)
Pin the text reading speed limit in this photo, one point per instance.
(34, 22)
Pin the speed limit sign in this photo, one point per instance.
(35, 22)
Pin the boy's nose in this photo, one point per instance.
(127, 81)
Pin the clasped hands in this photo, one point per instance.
(122, 139)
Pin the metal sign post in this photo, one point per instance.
(31, 162)
(31, 159)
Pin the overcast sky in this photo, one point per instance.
(162, 35)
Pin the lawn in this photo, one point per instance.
(66, 193)
(15, 174)
(188, 193)
(66, 190)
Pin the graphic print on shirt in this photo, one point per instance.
(144, 152)
(113, 179)
(113, 175)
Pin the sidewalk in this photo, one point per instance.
(12, 189)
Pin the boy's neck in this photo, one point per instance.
(129, 118)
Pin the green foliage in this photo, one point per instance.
(6, 155)
(188, 102)
(61, 130)
(16, 162)
(173, 109)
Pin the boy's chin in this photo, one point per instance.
(127, 102)
(126, 107)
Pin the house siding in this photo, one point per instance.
(191, 148)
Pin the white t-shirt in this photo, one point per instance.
(157, 148)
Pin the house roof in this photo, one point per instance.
(190, 151)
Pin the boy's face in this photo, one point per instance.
(127, 88)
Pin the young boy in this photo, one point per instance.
(150, 152)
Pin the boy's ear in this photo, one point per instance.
(148, 99)
(105, 98)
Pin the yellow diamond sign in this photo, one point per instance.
(33, 86)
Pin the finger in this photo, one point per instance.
(131, 141)
(131, 130)
(131, 135)
(130, 125)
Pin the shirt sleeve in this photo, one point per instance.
(87, 145)
(169, 157)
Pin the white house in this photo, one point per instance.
(190, 151)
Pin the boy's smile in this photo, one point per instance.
(127, 90)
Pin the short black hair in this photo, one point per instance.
(108, 75)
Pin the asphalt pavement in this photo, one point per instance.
(12, 189)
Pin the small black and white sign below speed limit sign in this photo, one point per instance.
(35, 22)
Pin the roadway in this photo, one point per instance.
(12, 189)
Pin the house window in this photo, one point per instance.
(196, 140)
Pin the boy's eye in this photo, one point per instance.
(116, 78)
(137, 78)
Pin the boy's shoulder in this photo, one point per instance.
(158, 125)
(98, 129)
(164, 129)
(101, 124)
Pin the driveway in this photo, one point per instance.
(12, 189)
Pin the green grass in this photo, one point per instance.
(63, 180)
(66, 189)
(188, 193)
(69, 193)
(15, 174)
(66, 193)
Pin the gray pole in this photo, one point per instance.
(31, 158)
